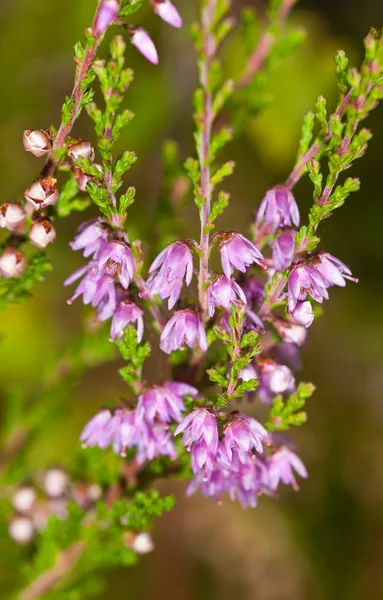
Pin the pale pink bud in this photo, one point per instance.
(168, 12)
(12, 263)
(21, 530)
(82, 178)
(11, 216)
(81, 149)
(140, 38)
(42, 193)
(106, 15)
(24, 498)
(42, 233)
(55, 482)
(38, 142)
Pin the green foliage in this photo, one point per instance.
(286, 414)
(135, 354)
(19, 289)
(68, 201)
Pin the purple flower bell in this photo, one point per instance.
(332, 270)
(183, 328)
(116, 258)
(278, 209)
(200, 436)
(95, 287)
(223, 292)
(153, 440)
(144, 44)
(164, 402)
(305, 280)
(91, 237)
(170, 268)
(280, 468)
(237, 252)
(107, 13)
(303, 313)
(125, 313)
(168, 12)
(283, 250)
(242, 435)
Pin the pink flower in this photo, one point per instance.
(303, 313)
(280, 468)
(91, 237)
(237, 252)
(164, 402)
(12, 263)
(243, 434)
(283, 250)
(278, 209)
(333, 270)
(12, 216)
(305, 280)
(168, 12)
(140, 38)
(42, 193)
(169, 269)
(106, 15)
(183, 328)
(38, 142)
(224, 292)
(125, 313)
(42, 233)
(115, 258)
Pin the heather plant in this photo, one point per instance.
(229, 336)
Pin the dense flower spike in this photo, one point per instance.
(283, 250)
(12, 263)
(125, 313)
(169, 269)
(12, 216)
(42, 193)
(280, 468)
(42, 233)
(237, 252)
(278, 209)
(106, 15)
(305, 280)
(183, 328)
(224, 292)
(116, 258)
(164, 402)
(168, 12)
(38, 142)
(140, 38)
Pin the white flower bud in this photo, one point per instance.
(81, 149)
(42, 233)
(141, 543)
(55, 482)
(42, 193)
(24, 499)
(21, 530)
(38, 142)
(11, 216)
(12, 263)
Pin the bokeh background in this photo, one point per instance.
(325, 542)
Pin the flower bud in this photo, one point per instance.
(140, 38)
(38, 142)
(42, 233)
(12, 216)
(21, 530)
(303, 313)
(12, 263)
(42, 193)
(106, 15)
(82, 178)
(55, 482)
(24, 499)
(81, 149)
(168, 12)
(141, 543)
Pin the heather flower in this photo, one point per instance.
(115, 429)
(303, 313)
(42, 193)
(183, 328)
(168, 12)
(24, 498)
(283, 250)
(290, 332)
(38, 142)
(248, 373)
(21, 530)
(97, 431)
(305, 280)
(140, 38)
(12, 263)
(42, 233)
(169, 269)
(237, 252)
(332, 270)
(116, 258)
(106, 15)
(12, 216)
(223, 292)
(278, 378)
(278, 209)
(280, 468)
(81, 149)
(125, 313)
(254, 291)
(91, 237)
(95, 287)
(200, 436)
(243, 434)
(153, 441)
(164, 402)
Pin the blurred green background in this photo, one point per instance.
(325, 542)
